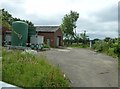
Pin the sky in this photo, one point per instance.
(99, 18)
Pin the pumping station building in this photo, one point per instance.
(52, 35)
(34, 37)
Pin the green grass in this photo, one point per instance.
(26, 70)
(99, 47)
(0, 70)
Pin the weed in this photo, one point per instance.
(25, 70)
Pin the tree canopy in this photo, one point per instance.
(69, 24)
(7, 19)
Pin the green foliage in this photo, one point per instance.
(30, 24)
(6, 24)
(85, 38)
(81, 39)
(5, 17)
(107, 39)
(68, 24)
(26, 70)
(100, 46)
(108, 46)
(77, 38)
(111, 52)
(7, 20)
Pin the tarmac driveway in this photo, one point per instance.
(85, 68)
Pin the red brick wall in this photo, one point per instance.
(58, 33)
(48, 35)
(4, 29)
(53, 37)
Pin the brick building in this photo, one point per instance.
(6, 34)
(52, 35)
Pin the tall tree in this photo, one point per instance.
(7, 19)
(69, 24)
(77, 38)
(107, 39)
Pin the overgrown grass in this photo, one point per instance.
(107, 48)
(102, 47)
(26, 70)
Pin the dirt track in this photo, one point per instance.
(85, 68)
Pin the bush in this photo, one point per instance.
(117, 49)
(106, 47)
(26, 70)
(98, 47)
(110, 52)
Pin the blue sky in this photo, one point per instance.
(98, 17)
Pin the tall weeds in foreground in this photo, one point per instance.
(26, 70)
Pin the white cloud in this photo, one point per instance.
(52, 11)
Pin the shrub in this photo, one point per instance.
(98, 46)
(110, 52)
(110, 49)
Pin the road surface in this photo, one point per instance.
(85, 68)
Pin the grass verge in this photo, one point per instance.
(26, 70)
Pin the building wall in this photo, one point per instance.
(48, 35)
(4, 30)
(56, 34)
(53, 37)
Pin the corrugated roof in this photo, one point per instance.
(47, 28)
